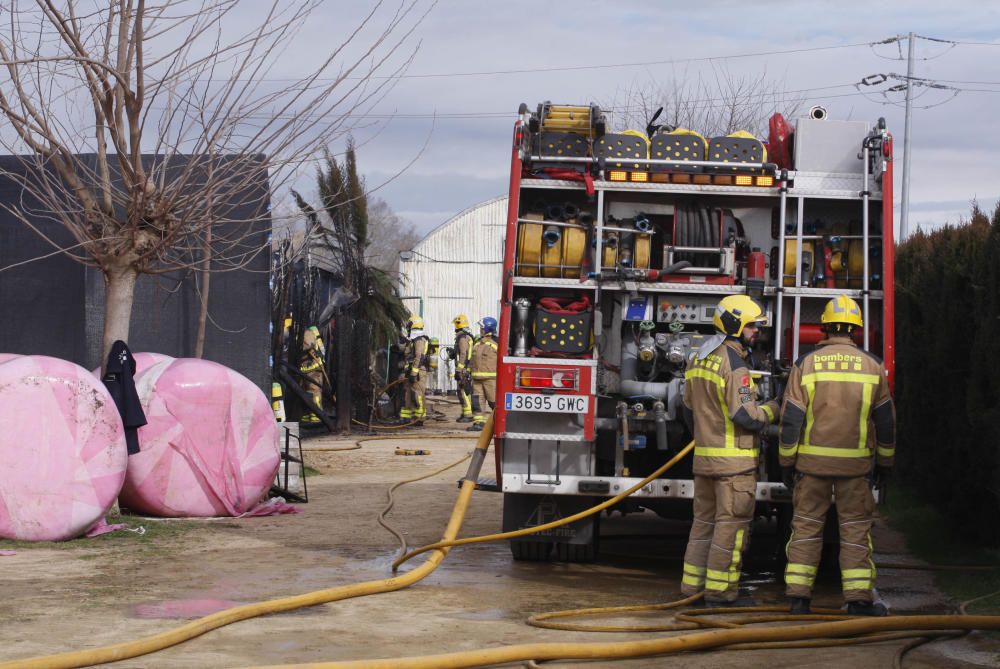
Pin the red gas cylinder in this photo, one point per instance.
(756, 268)
(811, 334)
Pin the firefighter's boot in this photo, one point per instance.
(876, 609)
(475, 427)
(464, 419)
(799, 606)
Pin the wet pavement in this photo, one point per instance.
(92, 594)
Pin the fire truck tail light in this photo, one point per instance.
(640, 176)
(617, 175)
(765, 181)
(744, 180)
(560, 379)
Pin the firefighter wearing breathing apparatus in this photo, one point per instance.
(838, 418)
(462, 355)
(416, 365)
(311, 365)
(484, 373)
(722, 410)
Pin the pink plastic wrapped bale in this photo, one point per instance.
(143, 361)
(210, 447)
(62, 449)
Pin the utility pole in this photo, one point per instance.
(904, 218)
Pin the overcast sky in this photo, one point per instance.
(955, 143)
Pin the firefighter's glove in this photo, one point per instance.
(881, 477)
(788, 477)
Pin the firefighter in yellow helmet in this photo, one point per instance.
(837, 419)
(484, 373)
(416, 365)
(462, 355)
(723, 411)
(312, 364)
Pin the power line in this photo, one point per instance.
(978, 43)
(777, 99)
(599, 66)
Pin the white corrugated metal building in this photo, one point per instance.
(456, 269)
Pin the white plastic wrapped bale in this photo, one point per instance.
(62, 449)
(210, 447)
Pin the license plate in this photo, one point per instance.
(546, 403)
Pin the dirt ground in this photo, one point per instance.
(89, 593)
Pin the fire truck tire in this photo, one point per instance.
(531, 551)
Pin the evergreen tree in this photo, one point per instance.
(340, 225)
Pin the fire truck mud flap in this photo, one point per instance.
(575, 542)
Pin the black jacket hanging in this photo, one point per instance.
(119, 382)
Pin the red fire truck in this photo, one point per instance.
(619, 246)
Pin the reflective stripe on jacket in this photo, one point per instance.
(837, 412)
(722, 401)
(463, 349)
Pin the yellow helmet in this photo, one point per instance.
(460, 322)
(736, 312)
(416, 322)
(842, 309)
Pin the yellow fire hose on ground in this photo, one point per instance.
(364, 440)
(129, 649)
(611, 501)
(735, 633)
(718, 638)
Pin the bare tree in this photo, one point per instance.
(714, 104)
(142, 126)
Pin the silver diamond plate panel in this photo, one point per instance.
(658, 489)
(543, 436)
(829, 184)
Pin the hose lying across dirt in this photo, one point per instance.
(151, 644)
(826, 627)
(611, 501)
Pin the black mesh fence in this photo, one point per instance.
(55, 306)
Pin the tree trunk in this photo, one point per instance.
(119, 292)
(206, 278)
(345, 402)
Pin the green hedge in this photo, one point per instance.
(948, 371)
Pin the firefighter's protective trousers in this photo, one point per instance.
(723, 510)
(416, 367)
(484, 378)
(855, 506)
(838, 417)
(416, 388)
(721, 406)
(311, 366)
(463, 370)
